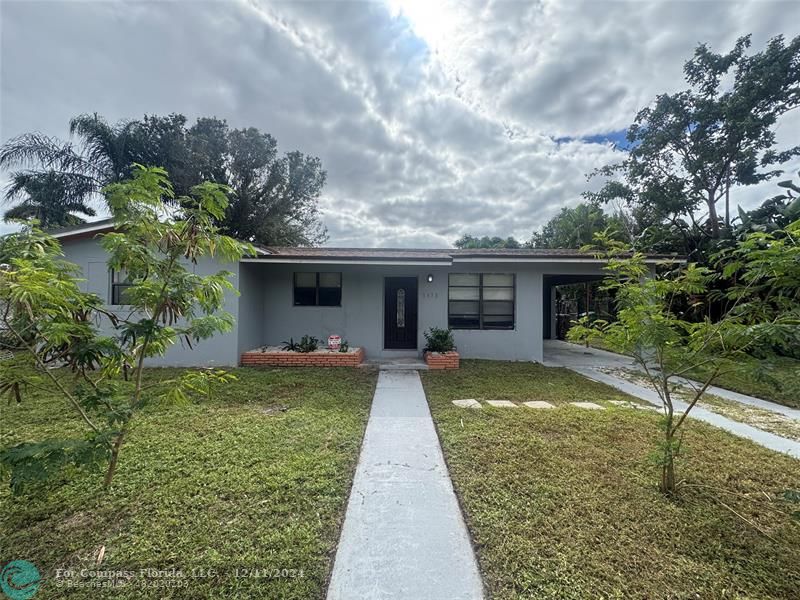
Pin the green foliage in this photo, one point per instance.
(653, 324)
(30, 464)
(471, 242)
(572, 227)
(290, 346)
(201, 483)
(307, 343)
(562, 500)
(774, 213)
(344, 346)
(687, 149)
(765, 295)
(272, 199)
(53, 322)
(439, 340)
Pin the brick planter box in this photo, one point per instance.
(442, 360)
(275, 357)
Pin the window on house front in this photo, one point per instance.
(317, 289)
(481, 301)
(119, 286)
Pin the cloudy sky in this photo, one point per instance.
(433, 118)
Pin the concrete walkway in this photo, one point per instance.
(589, 362)
(403, 535)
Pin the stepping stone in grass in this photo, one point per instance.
(629, 404)
(467, 403)
(538, 404)
(501, 403)
(588, 405)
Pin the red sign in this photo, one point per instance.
(334, 342)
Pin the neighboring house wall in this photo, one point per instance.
(221, 350)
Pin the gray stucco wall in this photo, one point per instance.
(221, 350)
(360, 317)
(265, 314)
(250, 325)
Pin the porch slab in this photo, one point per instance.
(501, 403)
(538, 404)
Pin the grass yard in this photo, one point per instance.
(777, 379)
(563, 503)
(254, 479)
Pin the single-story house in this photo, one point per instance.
(499, 302)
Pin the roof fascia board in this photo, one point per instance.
(552, 259)
(83, 231)
(330, 261)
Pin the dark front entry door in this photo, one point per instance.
(400, 313)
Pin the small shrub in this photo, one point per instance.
(290, 346)
(344, 346)
(439, 340)
(308, 343)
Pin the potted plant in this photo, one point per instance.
(440, 349)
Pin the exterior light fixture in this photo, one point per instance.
(430, 278)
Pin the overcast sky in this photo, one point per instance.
(432, 118)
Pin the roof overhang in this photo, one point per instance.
(84, 232)
(268, 258)
(285, 260)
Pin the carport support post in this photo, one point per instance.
(588, 296)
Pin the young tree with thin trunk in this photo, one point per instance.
(654, 324)
(53, 323)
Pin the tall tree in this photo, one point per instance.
(50, 197)
(688, 149)
(468, 241)
(572, 227)
(274, 198)
(53, 179)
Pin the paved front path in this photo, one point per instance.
(403, 535)
(589, 361)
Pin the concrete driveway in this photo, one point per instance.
(565, 354)
(595, 365)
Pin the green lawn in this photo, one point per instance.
(255, 478)
(563, 503)
(776, 379)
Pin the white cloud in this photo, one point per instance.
(432, 118)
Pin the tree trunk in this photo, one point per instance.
(668, 474)
(712, 213)
(667, 486)
(112, 465)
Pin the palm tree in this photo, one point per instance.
(55, 178)
(50, 197)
